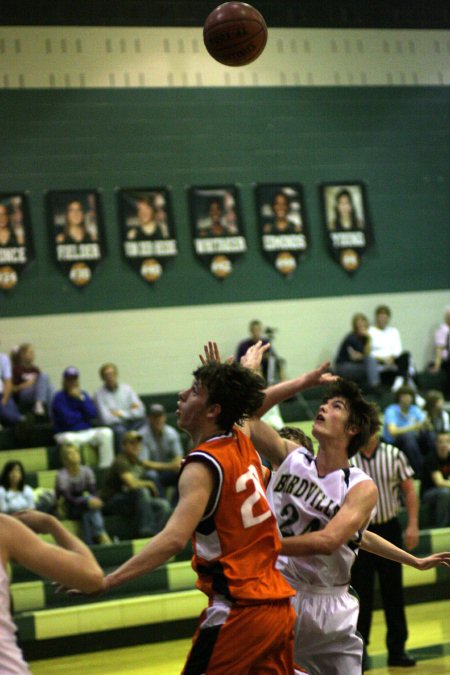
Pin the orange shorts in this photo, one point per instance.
(243, 640)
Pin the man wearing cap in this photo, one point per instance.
(73, 412)
(161, 449)
(127, 492)
(118, 405)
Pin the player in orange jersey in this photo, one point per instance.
(247, 626)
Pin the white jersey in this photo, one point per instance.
(305, 502)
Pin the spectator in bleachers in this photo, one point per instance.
(434, 407)
(118, 405)
(9, 412)
(32, 388)
(435, 484)
(76, 490)
(73, 413)
(392, 474)
(441, 361)
(407, 427)
(15, 495)
(394, 364)
(354, 360)
(256, 329)
(162, 450)
(127, 492)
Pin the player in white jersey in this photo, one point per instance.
(323, 507)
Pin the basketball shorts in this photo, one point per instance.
(326, 640)
(243, 640)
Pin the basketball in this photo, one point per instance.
(235, 34)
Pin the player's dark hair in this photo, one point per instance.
(364, 415)
(238, 390)
(298, 436)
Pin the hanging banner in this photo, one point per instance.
(346, 223)
(217, 229)
(16, 242)
(76, 232)
(148, 232)
(282, 224)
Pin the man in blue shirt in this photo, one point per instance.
(73, 412)
(407, 427)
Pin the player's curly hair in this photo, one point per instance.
(363, 414)
(238, 390)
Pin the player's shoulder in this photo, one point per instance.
(300, 456)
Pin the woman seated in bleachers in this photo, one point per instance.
(76, 489)
(15, 495)
(31, 387)
(353, 360)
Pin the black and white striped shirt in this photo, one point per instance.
(388, 467)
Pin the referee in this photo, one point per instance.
(390, 470)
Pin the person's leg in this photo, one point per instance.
(362, 580)
(86, 526)
(9, 413)
(44, 390)
(326, 638)
(439, 501)
(103, 438)
(402, 363)
(372, 371)
(352, 371)
(118, 432)
(409, 444)
(391, 588)
(152, 513)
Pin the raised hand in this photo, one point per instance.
(211, 353)
(253, 356)
(319, 376)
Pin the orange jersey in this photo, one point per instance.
(236, 543)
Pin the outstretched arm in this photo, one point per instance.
(284, 390)
(195, 488)
(70, 564)
(268, 443)
(373, 543)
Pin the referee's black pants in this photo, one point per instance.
(391, 588)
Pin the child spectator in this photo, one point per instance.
(435, 485)
(434, 407)
(407, 427)
(14, 494)
(76, 488)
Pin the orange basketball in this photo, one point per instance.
(235, 33)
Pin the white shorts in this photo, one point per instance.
(326, 642)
